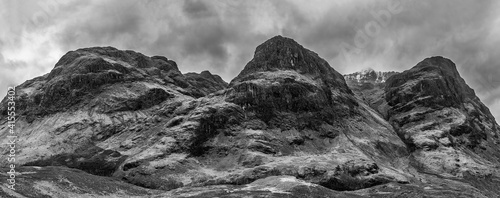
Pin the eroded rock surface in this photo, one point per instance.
(442, 120)
(206, 82)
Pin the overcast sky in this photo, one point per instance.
(221, 36)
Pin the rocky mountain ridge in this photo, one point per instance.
(368, 85)
(369, 76)
(288, 125)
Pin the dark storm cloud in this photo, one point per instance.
(455, 29)
(426, 25)
(108, 24)
(206, 34)
(196, 34)
(197, 9)
(415, 31)
(460, 30)
(204, 40)
(339, 24)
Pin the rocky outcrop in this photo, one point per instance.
(93, 160)
(206, 82)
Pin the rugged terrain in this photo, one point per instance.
(368, 85)
(106, 122)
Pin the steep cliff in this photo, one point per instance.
(439, 116)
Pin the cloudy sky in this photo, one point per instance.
(221, 36)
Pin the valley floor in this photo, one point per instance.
(66, 182)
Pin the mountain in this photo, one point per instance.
(439, 117)
(107, 122)
(369, 76)
(368, 85)
(206, 82)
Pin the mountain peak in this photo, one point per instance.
(206, 74)
(281, 54)
(99, 59)
(277, 42)
(368, 75)
(439, 62)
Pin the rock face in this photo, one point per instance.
(369, 86)
(445, 126)
(442, 120)
(284, 76)
(206, 82)
(296, 107)
(288, 125)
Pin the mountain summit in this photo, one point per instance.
(283, 75)
(281, 55)
(368, 76)
(112, 123)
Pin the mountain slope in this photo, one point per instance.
(448, 130)
(96, 108)
(442, 119)
(368, 85)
